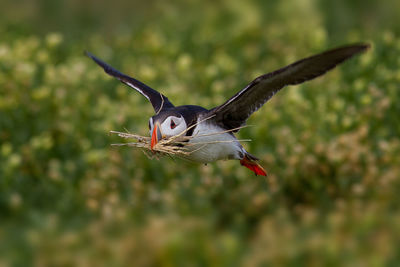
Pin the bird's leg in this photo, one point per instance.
(253, 165)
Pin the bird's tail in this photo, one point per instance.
(250, 162)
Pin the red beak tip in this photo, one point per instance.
(153, 138)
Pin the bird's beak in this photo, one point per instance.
(156, 135)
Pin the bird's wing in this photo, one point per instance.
(234, 112)
(158, 100)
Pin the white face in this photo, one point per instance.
(171, 126)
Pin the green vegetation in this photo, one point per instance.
(331, 146)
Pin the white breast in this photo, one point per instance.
(209, 144)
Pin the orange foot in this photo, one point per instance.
(253, 165)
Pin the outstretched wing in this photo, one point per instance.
(234, 112)
(158, 100)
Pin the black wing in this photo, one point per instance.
(158, 100)
(234, 112)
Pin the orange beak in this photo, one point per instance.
(155, 135)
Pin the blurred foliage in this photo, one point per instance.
(331, 146)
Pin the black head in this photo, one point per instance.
(169, 123)
(172, 122)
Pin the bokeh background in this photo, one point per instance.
(331, 146)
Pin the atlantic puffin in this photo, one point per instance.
(216, 126)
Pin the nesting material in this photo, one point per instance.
(179, 145)
(172, 146)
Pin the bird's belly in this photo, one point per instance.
(209, 144)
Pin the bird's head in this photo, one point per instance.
(166, 124)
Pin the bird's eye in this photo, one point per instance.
(173, 125)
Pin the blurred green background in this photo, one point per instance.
(331, 146)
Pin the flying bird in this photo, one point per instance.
(216, 127)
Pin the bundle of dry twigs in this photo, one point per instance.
(178, 145)
(171, 146)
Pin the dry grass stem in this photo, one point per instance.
(177, 145)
